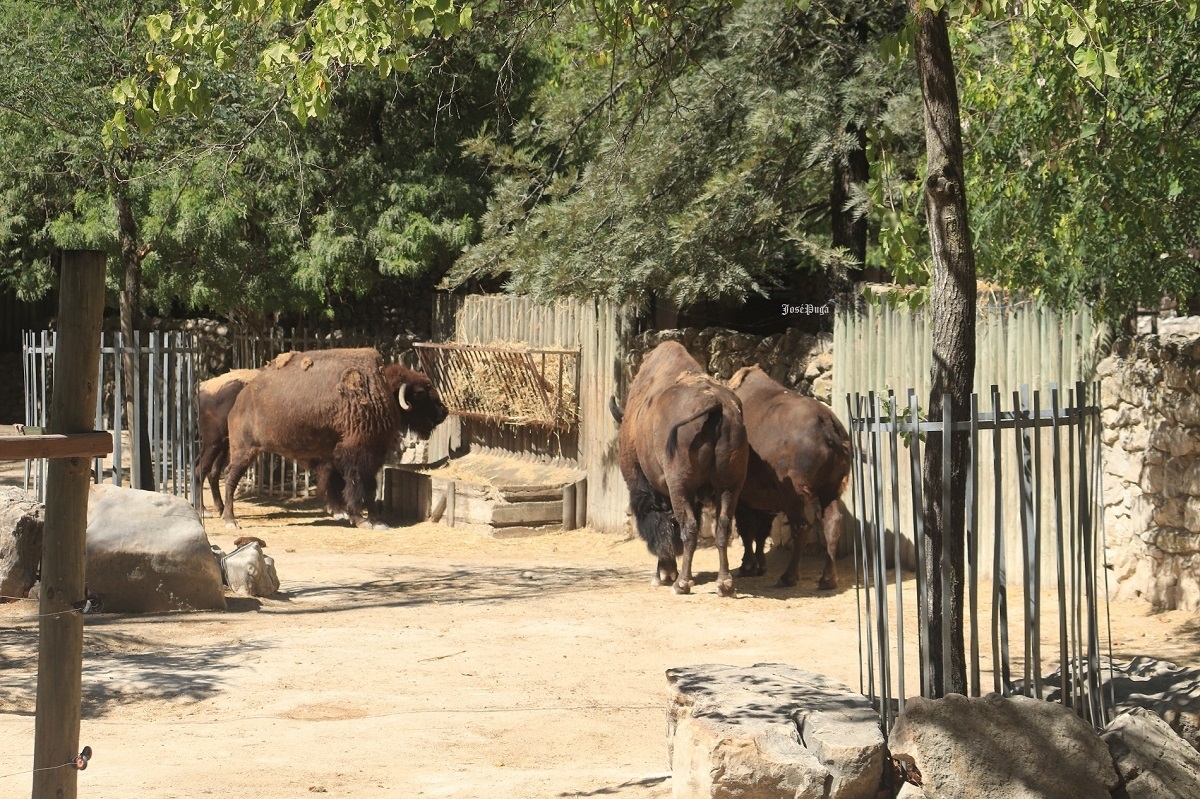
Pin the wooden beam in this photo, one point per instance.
(74, 445)
(60, 628)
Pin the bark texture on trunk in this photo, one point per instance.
(952, 309)
(131, 320)
(849, 232)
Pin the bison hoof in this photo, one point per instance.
(232, 525)
(786, 581)
(682, 587)
(725, 588)
(827, 584)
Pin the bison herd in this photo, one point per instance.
(751, 448)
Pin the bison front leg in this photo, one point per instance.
(358, 471)
(332, 486)
(754, 527)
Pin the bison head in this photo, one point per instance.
(421, 409)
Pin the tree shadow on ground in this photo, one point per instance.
(119, 666)
(617, 790)
(473, 585)
(812, 563)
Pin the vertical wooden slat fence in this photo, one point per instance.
(168, 360)
(877, 348)
(597, 329)
(1067, 577)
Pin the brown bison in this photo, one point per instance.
(337, 410)
(799, 461)
(214, 400)
(681, 442)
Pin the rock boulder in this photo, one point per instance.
(1002, 748)
(148, 552)
(770, 731)
(1154, 762)
(21, 522)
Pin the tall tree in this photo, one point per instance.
(952, 308)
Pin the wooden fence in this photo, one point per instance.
(1063, 549)
(596, 329)
(164, 363)
(1018, 342)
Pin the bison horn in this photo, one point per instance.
(400, 396)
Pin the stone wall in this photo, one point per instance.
(1150, 393)
(799, 361)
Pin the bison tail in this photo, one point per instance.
(713, 412)
(615, 409)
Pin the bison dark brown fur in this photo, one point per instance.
(799, 461)
(339, 411)
(681, 442)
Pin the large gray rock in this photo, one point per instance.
(1169, 691)
(148, 552)
(1002, 748)
(770, 731)
(249, 572)
(21, 524)
(1154, 762)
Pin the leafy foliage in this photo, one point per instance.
(720, 183)
(1085, 163)
(240, 210)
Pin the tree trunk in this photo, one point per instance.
(850, 233)
(131, 320)
(952, 309)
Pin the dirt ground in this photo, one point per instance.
(432, 661)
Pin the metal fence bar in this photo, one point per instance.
(1066, 673)
(1024, 482)
(972, 531)
(1076, 490)
(170, 427)
(919, 543)
(859, 454)
(118, 411)
(856, 477)
(1035, 582)
(879, 556)
(1000, 663)
(897, 562)
(946, 593)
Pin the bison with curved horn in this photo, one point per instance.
(338, 410)
(681, 442)
(799, 462)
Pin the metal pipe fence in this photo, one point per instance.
(164, 379)
(1056, 451)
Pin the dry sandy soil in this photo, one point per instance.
(430, 661)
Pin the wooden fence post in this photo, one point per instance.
(60, 631)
